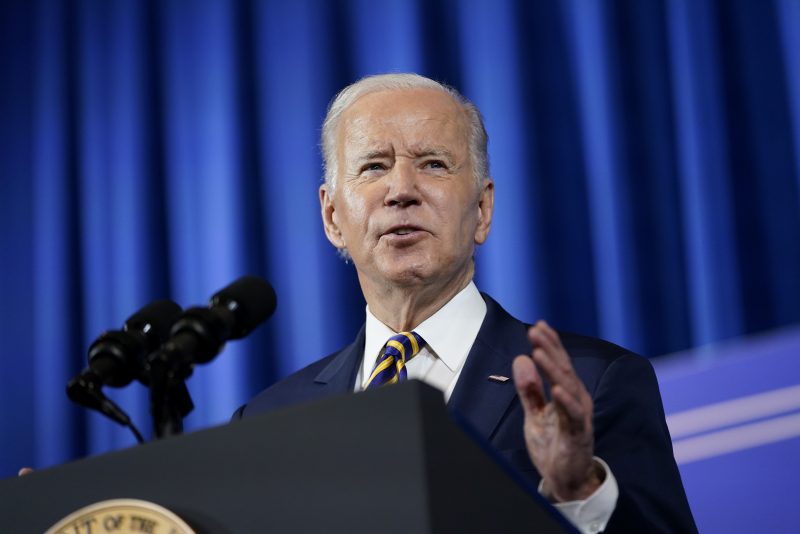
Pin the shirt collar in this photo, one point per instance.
(449, 333)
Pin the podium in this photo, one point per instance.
(390, 460)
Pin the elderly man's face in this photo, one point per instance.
(406, 205)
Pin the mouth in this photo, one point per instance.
(403, 229)
(403, 233)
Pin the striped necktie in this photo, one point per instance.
(391, 364)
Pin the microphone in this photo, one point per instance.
(117, 356)
(196, 337)
(232, 313)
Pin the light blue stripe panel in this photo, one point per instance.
(490, 73)
(615, 280)
(386, 36)
(52, 247)
(712, 276)
(732, 370)
(289, 37)
(788, 12)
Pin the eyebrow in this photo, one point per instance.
(440, 151)
(376, 154)
(419, 152)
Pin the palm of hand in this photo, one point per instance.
(562, 457)
(558, 431)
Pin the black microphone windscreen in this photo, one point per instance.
(155, 319)
(115, 356)
(250, 299)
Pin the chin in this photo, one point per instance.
(407, 272)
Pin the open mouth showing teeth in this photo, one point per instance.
(403, 231)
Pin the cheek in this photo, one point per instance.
(468, 216)
(468, 228)
(354, 214)
(355, 205)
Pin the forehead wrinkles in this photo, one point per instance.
(413, 133)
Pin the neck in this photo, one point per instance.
(403, 307)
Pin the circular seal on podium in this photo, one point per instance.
(122, 516)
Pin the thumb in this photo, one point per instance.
(528, 384)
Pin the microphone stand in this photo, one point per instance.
(197, 337)
(170, 400)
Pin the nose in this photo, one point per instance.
(401, 185)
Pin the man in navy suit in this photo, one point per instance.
(407, 196)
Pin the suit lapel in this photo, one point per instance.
(339, 376)
(476, 398)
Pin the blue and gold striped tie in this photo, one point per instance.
(391, 364)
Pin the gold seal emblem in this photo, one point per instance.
(122, 516)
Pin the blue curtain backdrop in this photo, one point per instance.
(646, 157)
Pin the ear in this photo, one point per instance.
(485, 210)
(329, 217)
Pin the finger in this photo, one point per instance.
(528, 384)
(562, 371)
(556, 374)
(567, 382)
(545, 336)
(572, 412)
(25, 471)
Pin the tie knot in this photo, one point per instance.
(391, 364)
(404, 345)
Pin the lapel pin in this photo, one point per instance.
(498, 378)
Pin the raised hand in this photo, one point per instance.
(558, 432)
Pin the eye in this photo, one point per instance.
(435, 164)
(374, 166)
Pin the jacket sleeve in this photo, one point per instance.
(631, 435)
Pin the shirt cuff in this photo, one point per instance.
(592, 514)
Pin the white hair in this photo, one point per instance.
(477, 137)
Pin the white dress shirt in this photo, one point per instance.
(449, 335)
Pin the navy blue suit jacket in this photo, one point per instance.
(630, 432)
